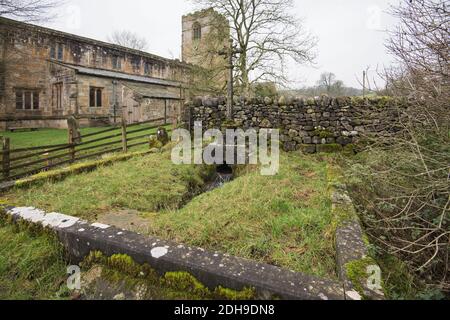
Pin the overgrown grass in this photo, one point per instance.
(283, 220)
(147, 183)
(31, 267)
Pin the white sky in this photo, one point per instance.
(350, 32)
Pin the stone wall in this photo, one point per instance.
(313, 125)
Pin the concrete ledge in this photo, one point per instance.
(352, 254)
(213, 269)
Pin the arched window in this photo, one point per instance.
(197, 31)
(95, 97)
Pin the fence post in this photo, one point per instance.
(124, 136)
(5, 160)
(72, 145)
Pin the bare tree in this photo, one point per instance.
(128, 39)
(330, 85)
(326, 81)
(268, 36)
(28, 10)
(409, 173)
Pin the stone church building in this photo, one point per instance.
(48, 75)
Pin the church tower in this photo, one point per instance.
(204, 34)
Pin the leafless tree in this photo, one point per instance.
(268, 35)
(330, 85)
(410, 172)
(327, 80)
(28, 10)
(128, 39)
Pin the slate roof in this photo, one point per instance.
(120, 75)
(146, 92)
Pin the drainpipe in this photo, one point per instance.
(114, 101)
(77, 106)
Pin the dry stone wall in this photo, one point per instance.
(313, 125)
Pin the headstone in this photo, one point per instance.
(163, 136)
(73, 127)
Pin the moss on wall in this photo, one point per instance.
(185, 281)
(323, 134)
(59, 174)
(356, 272)
(245, 294)
(177, 281)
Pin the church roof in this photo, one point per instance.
(120, 75)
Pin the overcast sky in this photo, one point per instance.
(350, 32)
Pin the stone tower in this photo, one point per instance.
(204, 34)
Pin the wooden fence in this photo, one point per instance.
(22, 162)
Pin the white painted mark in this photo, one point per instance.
(323, 297)
(159, 252)
(54, 220)
(58, 220)
(100, 226)
(29, 214)
(353, 295)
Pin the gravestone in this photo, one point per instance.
(163, 136)
(74, 130)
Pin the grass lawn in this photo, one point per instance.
(41, 137)
(48, 137)
(31, 267)
(283, 220)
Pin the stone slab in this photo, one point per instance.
(213, 269)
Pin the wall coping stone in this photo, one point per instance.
(350, 240)
(213, 269)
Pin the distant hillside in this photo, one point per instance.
(317, 91)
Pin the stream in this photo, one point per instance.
(224, 174)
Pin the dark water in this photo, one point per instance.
(223, 175)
